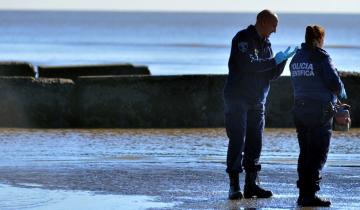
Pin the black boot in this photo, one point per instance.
(300, 198)
(251, 189)
(234, 191)
(312, 200)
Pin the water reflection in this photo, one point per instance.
(69, 165)
(40, 199)
(155, 146)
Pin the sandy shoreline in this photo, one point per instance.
(157, 169)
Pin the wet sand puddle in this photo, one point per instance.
(156, 146)
(85, 168)
(31, 197)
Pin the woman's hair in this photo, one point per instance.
(314, 34)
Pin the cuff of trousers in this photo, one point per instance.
(307, 188)
(238, 171)
(254, 168)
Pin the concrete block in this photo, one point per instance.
(15, 68)
(73, 72)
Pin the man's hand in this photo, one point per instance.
(282, 56)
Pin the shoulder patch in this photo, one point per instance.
(243, 46)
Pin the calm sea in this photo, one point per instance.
(169, 43)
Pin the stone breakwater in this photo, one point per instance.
(136, 101)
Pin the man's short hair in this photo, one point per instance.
(265, 15)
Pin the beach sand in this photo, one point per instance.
(156, 169)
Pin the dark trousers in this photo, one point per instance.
(313, 121)
(244, 127)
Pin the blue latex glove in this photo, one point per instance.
(290, 54)
(282, 56)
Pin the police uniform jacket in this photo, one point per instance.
(313, 75)
(251, 68)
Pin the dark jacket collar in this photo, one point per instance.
(316, 53)
(315, 49)
(254, 34)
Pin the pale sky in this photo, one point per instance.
(307, 6)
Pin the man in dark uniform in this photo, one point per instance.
(251, 68)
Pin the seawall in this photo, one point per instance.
(138, 101)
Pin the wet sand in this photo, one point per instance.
(158, 169)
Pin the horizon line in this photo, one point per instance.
(175, 11)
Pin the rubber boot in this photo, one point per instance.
(251, 189)
(234, 191)
(301, 196)
(312, 200)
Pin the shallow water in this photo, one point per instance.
(155, 168)
(169, 43)
(42, 199)
(26, 147)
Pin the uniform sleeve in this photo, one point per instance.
(330, 75)
(278, 70)
(248, 59)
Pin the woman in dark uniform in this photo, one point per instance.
(316, 86)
